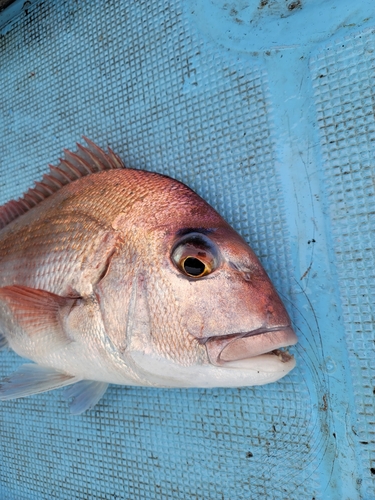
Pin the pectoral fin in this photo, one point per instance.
(33, 379)
(85, 394)
(32, 320)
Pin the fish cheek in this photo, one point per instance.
(199, 304)
(226, 303)
(140, 311)
(194, 322)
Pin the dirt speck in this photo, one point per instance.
(324, 406)
(297, 4)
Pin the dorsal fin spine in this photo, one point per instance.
(80, 162)
(53, 180)
(45, 188)
(24, 204)
(20, 209)
(75, 171)
(8, 213)
(12, 209)
(86, 161)
(92, 157)
(36, 195)
(116, 161)
(98, 152)
(62, 173)
(30, 200)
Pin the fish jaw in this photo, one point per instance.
(234, 360)
(259, 370)
(241, 346)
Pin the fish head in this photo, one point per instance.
(225, 295)
(205, 313)
(227, 301)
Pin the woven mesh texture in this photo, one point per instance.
(343, 85)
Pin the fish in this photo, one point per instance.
(114, 275)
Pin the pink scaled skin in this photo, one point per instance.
(103, 260)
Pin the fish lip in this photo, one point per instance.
(245, 345)
(257, 331)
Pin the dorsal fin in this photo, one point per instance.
(86, 161)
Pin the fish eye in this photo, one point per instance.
(193, 266)
(195, 255)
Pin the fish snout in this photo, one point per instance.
(240, 346)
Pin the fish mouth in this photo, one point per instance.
(226, 350)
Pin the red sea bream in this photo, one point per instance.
(114, 275)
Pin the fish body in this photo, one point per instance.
(116, 275)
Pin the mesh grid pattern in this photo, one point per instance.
(344, 82)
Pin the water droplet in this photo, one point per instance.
(330, 365)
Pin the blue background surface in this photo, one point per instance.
(266, 109)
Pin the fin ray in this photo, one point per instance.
(33, 317)
(85, 161)
(86, 394)
(32, 379)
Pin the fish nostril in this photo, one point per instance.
(243, 270)
(270, 312)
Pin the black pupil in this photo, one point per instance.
(193, 266)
